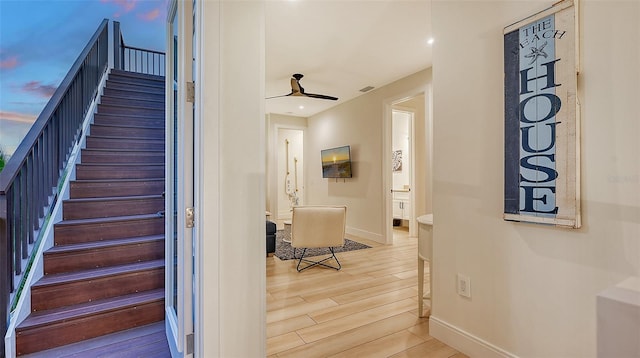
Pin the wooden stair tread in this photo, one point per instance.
(113, 198)
(148, 140)
(92, 245)
(131, 85)
(133, 104)
(141, 139)
(131, 126)
(61, 314)
(110, 181)
(133, 100)
(122, 165)
(113, 345)
(123, 151)
(118, 72)
(126, 115)
(129, 78)
(58, 278)
(110, 219)
(151, 82)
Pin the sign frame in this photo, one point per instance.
(542, 118)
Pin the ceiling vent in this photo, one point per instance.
(366, 89)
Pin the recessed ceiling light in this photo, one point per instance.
(301, 107)
(430, 41)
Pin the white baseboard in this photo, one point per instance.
(365, 234)
(464, 341)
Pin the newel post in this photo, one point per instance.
(117, 46)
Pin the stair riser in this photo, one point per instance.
(127, 101)
(102, 157)
(127, 132)
(122, 143)
(111, 189)
(105, 208)
(72, 293)
(117, 72)
(71, 331)
(133, 111)
(103, 257)
(136, 80)
(128, 74)
(101, 172)
(115, 120)
(134, 95)
(134, 87)
(70, 234)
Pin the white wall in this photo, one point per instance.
(231, 289)
(533, 287)
(358, 123)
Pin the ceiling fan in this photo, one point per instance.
(298, 91)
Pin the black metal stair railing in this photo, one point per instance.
(135, 59)
(30, 181)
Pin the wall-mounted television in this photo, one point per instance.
(336, 162)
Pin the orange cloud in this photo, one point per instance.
(9, 63)
(18, 117)
(45, 91)
(124, 6)
(151, 15)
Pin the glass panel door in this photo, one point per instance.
(179, 184)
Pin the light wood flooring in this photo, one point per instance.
(367, 309)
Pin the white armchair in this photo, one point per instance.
(316, 227)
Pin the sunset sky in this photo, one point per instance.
(40, 40)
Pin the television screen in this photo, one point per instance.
(336, 162)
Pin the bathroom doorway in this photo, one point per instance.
(402, 120)
(406, 163)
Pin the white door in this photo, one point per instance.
(179, 182)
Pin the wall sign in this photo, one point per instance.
(542, 127)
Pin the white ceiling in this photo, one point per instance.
(341, 47)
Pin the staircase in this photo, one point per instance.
(105, 272)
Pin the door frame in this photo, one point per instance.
(179, 322)
(387, 178)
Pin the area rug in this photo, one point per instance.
(284, 251)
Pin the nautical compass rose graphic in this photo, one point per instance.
(537, 52)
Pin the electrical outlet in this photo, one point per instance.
(464, 285)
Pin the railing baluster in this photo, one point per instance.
(28, 209)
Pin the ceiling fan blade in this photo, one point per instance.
(284, 95)
(321, 96)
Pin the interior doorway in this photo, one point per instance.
(402, 122)
(406, 166)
